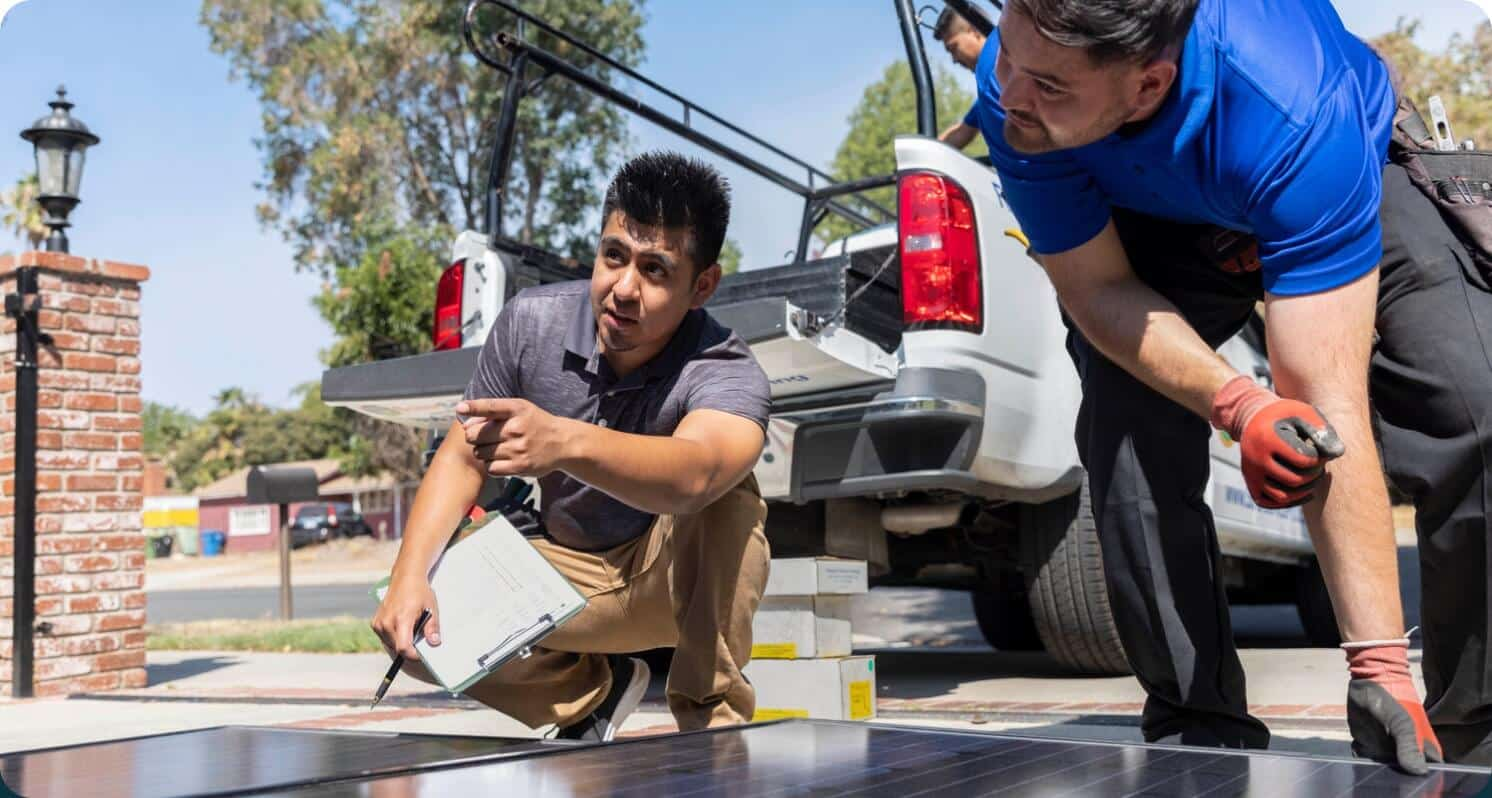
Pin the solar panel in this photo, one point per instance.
(813, 758)
(234, 759)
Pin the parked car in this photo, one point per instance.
(923, 398)
(320, 522)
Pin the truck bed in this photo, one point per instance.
(862, 290)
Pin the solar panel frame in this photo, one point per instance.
(801, 758)
(683, 768)
(53, 770)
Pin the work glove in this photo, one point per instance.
(1384, 713)
(1285, 443)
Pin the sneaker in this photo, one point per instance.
(629, 681)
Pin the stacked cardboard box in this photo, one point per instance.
(801, 663)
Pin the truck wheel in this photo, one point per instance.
(1064, 581)
(1005, 620)
(1314, 605)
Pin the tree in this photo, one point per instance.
(21, 214)
(164, 428)
(383, 305)
(887, 108)
(241, 431)
(730, 257)
(375, 119)
(377, 131)
(1461, 75)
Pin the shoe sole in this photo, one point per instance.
(631, 698)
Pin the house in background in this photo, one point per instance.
(223, 504)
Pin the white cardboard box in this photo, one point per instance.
(816, 576)
(829, 689)
(793, 627)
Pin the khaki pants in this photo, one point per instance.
(692, 582)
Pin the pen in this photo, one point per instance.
(388, 678)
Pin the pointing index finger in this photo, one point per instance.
(497, 409)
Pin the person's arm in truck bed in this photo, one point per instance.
(958, 135)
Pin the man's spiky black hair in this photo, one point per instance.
(666, 189)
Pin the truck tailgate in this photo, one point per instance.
(821, 325)
(419, 391)
(798, 355)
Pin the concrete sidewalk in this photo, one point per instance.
(1299, 692)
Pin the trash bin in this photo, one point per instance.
(161, 545)
(212, 542)
(186, 540)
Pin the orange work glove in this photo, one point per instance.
(1285, 443)
(1384, 713)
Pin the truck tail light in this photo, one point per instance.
(447, 333)
(331, 515)
(940, 286)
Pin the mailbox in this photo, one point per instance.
(281, 485)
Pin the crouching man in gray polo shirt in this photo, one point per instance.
(642, 418)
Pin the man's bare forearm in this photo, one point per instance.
(450, 485)
(958, 135)
(1143, 333)
(654, 473)
(1319, 347)
(1353, 529)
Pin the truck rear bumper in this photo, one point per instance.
(419, 391)
(922, 434)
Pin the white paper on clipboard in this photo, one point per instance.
(496, 596)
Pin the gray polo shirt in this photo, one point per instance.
(542, 348)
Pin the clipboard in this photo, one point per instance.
(497, 598)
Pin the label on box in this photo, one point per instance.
(774, 651)
(862, 703)
(832, 689)
(836, 577)
(778, 714)
(816, 576)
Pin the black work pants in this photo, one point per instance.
(1147, 463)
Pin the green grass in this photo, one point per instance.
(342, 635)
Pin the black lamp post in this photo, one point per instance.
(61, 142)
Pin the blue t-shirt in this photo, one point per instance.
(1278, 126)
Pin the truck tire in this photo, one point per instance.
(1005, 620)
(1063, 566)
(1314, 605)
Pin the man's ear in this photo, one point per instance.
(705, 284)
(1155, 81)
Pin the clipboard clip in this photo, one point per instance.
(540, 628)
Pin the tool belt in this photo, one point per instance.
(1458, 182)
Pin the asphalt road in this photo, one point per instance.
(937, 618)
(312, 601)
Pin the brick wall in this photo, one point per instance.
(90, 548)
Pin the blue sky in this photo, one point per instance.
(172, 184)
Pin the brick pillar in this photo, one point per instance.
(90, 547)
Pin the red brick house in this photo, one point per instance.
(223, 505)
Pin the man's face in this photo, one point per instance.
(963, 47)
(643, 284)
(1056, 98)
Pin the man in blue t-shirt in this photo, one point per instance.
(1172, 162)
(964, 44)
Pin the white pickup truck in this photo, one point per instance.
(923, 408)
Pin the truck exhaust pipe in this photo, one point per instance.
(919, 519)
